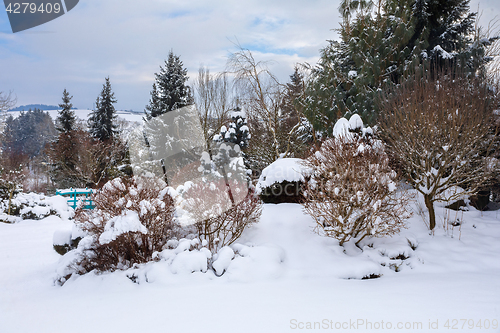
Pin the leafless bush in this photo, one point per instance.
(219, 221)
(352, 192)
(437, 129)
(133, 218)
(7, 100)
(270, 118)
(77, 160)
(212, 98)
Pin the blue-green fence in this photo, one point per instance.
(77, 195)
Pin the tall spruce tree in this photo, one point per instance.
(442, 31)
(170, 91)
(380, 43)
(65, 121)
(101, 120)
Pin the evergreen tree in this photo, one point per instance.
(101, 119)
(297, 130)
(66, 119)
(170, 91)
(154, 108)
(294, 89)
(442, 31)
(237, 132)
(27, 134)
(381, 43)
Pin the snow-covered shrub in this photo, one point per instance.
(220, 221)
(282, 181)
(9, 188)
(133, 219)
(62, 241)
(351, 193)
(34, 206)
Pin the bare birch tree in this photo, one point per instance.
(213, 101)
(262, 96)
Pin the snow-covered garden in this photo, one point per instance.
(363, 195)
(281, 276)
(279, 273)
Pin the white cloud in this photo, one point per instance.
(129, 39)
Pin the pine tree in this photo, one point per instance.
(238, 132)
(443, 30)
(101, 119)
(297, 130)
(66, 119)
(154, 108)
(170, 91)
(28, 133)
(381, 43)
(294, 89)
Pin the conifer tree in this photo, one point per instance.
(237, 132)
(380, 44)
(66, 119)
(170, 91)
(100, 122)
(28, 133)
(442, 30)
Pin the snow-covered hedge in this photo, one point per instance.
(34, 206)
(282, 181)
(140, 220)
(133, 219)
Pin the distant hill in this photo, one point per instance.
(36, 106)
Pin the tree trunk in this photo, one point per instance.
(11, 194)
(229, 192)
(430, 207)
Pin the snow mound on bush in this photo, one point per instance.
(283, 169)
(344, 128)
(129, 222)
(37, 206)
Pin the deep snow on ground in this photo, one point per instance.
(287, 278)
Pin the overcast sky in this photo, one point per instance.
(128, 40)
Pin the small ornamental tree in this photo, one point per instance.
(437, 129)
(219, 221)
(351, 193)
(221, 202)
(101, 120)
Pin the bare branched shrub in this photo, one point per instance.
(277, 125)
(7, 100)
(437, 130)
(352, 192)
(133, 219)
(212, 98)
(219, 221)
(77, 160)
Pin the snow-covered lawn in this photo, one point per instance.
(287, 279)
